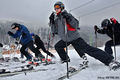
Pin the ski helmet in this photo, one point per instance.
(32, 34)
(14, 25)
(59, 4)
(105, 23)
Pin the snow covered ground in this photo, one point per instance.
(96, 70)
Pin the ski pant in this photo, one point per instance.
(109, 44)
(22, 56)
(31, 47)
(82, 47)
(43, 48)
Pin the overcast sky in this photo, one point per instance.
(38, 11)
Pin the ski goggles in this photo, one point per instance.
(13, 26)
(57, 7)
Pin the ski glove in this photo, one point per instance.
(16, 43)
(53, 34)
(10, 33)
(17, 39)
(96, 28)
(114, 21)
(51, 18)
(66, 16)
(1, 45)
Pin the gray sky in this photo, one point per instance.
(38, 11)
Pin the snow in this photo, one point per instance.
(96, 70)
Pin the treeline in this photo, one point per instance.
(86, 32)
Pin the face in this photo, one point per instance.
(16, 28)
(57, 8)
(32, 36)
(106, 27)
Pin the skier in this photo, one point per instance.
(26, 40)
(107, 29)
(1, 56)
(40, 45)
(58, 21)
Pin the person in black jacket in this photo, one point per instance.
(40, 45)
(107, 29)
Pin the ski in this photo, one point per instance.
(72, 71)
(4, 65)
(8, 73)
(44, 61)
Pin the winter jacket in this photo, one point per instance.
(109, 31)
(59, 27)
(24, 38)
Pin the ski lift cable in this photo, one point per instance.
(81, 5)
(100, 9)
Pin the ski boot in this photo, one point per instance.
(15, 59)
(63, 61)
(71, 69)
(51, 55)
(40, 57)
(29, 58)
(2, 71)
(35, 59)
(2, 60)
(84, 63)
(114, 65)
(7, 59)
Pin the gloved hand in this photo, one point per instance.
(66, 16)
(53, 34)
(51, 18)
(114, 21)
(1, 45)
(96, 28)
(10, 33)
(17, 39)
(16, 43)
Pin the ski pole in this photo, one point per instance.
(48, 46)
(9, 47)
(66, 48)
(17, 45)
(114, 42)
(96, 38)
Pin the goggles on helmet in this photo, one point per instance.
(13, 26)
(57, 7)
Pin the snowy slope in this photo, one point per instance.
(96, 70)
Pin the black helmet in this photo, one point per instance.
(14, 25)
(105, 23)
(60, 4)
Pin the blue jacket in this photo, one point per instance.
(23, 38)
